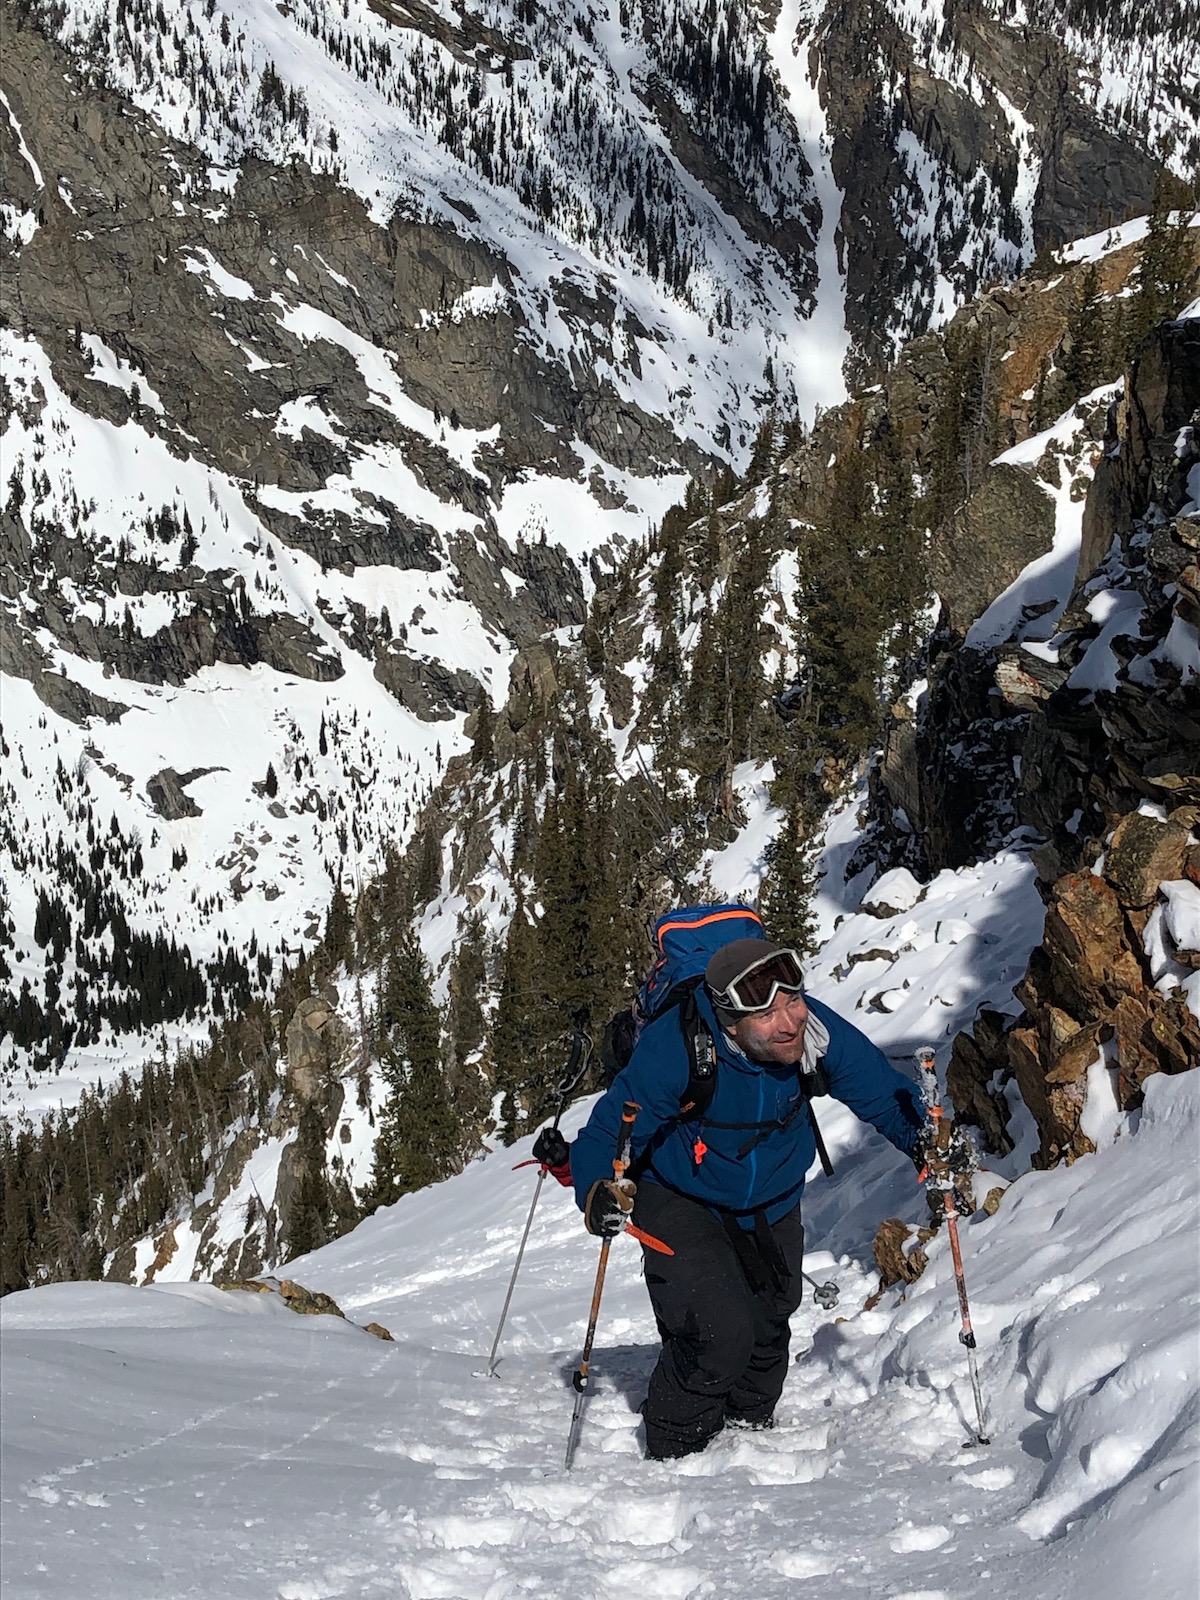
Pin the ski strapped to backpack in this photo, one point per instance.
(686, 940)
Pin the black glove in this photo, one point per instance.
(944, 1152)
(608, 1206)
(551, 1149)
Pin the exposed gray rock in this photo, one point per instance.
(166, 791)
(426, 688)
(1006, 523)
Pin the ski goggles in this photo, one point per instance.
(755, 988)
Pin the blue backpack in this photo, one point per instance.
(686, 940)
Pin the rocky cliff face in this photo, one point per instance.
(1106, 717)
(970, 136)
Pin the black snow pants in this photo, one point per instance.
(722, 1302)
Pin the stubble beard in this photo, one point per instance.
(770, 1053)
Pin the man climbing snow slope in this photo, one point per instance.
(722, 1188)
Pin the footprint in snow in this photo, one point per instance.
(665, 1580)
(763, 1463)
(554, 1500)
(472, 1533)
(647, 1520)
(803, 1563)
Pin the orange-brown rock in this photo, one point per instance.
(307, 1302)
(1085, 940)
(164, 1251)
(1173, 1033)
(1076, 1055)
(975, 1061)
(1144, 853)
(896, 1265)
(1066, 1102)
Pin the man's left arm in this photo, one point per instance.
(863, 1078)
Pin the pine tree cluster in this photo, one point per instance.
(81, 1184)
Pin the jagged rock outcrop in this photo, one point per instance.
(316, 1041)
(428, 688)
(1007, 523)
(305, 1302)
(167, 792)
(1110, 777)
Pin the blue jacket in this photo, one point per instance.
(771, 1176)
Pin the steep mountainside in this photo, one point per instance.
(349, 347)
(967, 136)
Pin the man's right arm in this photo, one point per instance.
(654, 1080)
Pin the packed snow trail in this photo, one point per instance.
(180, 1442)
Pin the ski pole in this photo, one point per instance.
(581, 1055)
(825, 1295)
(580, 1379)
(945, 1184)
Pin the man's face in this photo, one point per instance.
(776, 1034)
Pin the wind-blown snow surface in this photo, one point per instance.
(182, 1441)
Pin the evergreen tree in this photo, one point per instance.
(483, 748)
(1041, 413)
(668, 576)
(1166, 265)
(764, 453)
(418, 1134)
(726, 693)
(965, 422)
(428, 879)
(522, 1026)
(465, 1021)
(788, 883)
(840, 618)
(339, 929)
(1084, 343)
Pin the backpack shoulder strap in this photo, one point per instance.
(826, 1163)
(819, 1084)
(701, 1054)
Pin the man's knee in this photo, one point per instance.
(711, 1359)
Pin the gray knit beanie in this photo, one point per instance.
(728, 963)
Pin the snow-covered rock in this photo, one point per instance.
(892, 894)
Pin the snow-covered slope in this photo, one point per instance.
(186, 1441)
